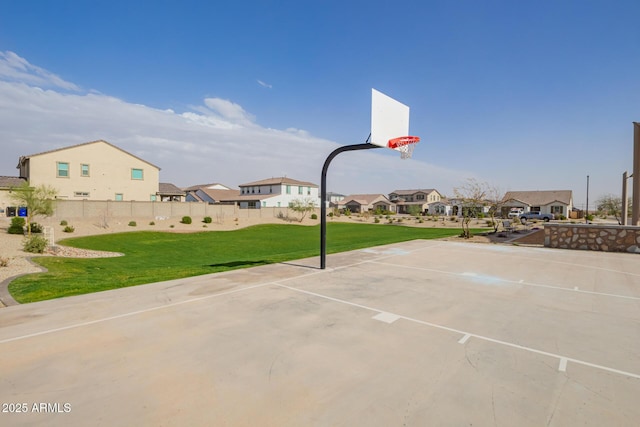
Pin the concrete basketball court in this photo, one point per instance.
(422, 333)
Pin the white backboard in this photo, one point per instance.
(389, 119)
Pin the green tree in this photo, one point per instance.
(38, 200)
(610, 204)
(494, 198)
(472, 196)
(414, 210)
(302, 206)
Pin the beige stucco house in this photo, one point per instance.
(421, 198)
(359, 203)
(94, 170)
(7, 183)
(557, 202)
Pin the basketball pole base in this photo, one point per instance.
(323, 195)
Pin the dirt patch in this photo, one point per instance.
(535, 237)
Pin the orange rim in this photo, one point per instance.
(403, 140)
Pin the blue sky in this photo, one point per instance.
(522, 95)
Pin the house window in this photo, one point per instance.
(137, 174)
(299, 189)
(153, 198)
(63, 170)
(264, 204)
(278, 204)
(271, 189)
(81, 194)
(119, 197)
(288, 189)
(308, 191)
(84, 170)
(535, 208)
(419, 196)
(557, 210)
(252, 205)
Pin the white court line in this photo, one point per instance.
(563, 364)
(175, 304)
(386, 317)
(160, 307)
(546, 261)
(520, 282)
(464, 339)
(481, 337)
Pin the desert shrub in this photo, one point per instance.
(17, 225)
(69, 229)
(35, 227)
(330, 214)
(561, 217)
(186, 220)
(64, 222)
(377, 220)
(15, 229)
(4, 262)
(590, 217)
(152, 223)
(18, 220)
(171, 226)
(132, 223)
(207, 220)
(35, 244)
(314, 216)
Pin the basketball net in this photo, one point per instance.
(405, 145)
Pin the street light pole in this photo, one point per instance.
(625, 204)
(586, 216)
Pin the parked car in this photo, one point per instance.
(546, 217)
(515, 212)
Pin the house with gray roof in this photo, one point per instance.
(210, 193)
(7, 183)
(421, 198)
(274, 193)
(557, 202)
(170, 193)
(359, 203)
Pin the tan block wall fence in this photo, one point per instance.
(611, 238)
(90, 209)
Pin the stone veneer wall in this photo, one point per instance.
(607, 238)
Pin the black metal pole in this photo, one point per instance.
(323, 196)
(586, 217)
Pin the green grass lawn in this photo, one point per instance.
(156, 256)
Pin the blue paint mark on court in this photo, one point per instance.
(484, 279)
(388, 251)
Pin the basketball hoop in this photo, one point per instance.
(405, 145)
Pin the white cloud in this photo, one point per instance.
(15, 68)
(217, 141)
